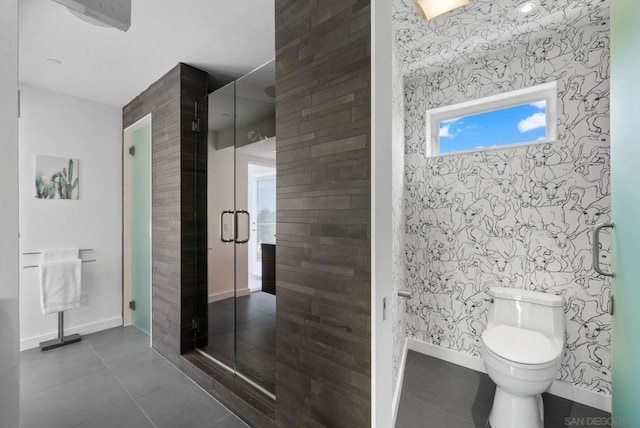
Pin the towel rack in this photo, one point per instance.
(35, 266)
(40, 252)
(33, 253)
(61, 340)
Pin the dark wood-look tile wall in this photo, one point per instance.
(323, 273)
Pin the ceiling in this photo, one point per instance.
(226, 38)
(469, 32)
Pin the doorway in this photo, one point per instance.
(262, 210)
(137, 225)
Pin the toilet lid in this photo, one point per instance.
(520, 345)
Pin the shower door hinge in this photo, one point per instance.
(195, 324)
(195, 125)
(132, 305)
(132, 150)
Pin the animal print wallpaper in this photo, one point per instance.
(517, 217)
(397, 303)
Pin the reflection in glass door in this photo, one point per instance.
(255, 158)
(241, 222)
(262, 209)
(220, 206)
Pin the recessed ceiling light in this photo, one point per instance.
(527, 7)
(429, 9)
(53, 61)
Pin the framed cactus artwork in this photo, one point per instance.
(57, 178)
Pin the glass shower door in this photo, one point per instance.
(241, 221)
(220, 136)
(255, 219)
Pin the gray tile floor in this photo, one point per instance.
(254, 321)
(112, 379)
(438, 394)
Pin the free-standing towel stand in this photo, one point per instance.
(61, 340)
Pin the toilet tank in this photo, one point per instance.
(533, 310)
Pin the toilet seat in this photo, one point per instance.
(521, 347)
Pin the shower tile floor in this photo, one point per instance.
(438, 394)
(112, 379)
(255, 336)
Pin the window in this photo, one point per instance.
(519, 117)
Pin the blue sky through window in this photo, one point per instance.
(518, 124)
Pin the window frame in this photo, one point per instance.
(546, 91)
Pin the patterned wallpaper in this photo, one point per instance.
(518, 217)
(469, 32)
(397, 303)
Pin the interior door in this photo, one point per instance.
(625, 175)
(138, 225)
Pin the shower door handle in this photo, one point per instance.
(222, 214)
(242, 241)
(596, 248)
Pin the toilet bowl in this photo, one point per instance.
(521, 348)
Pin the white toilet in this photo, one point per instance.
(521, 348)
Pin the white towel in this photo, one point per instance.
(60, 280)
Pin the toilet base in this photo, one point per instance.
(510, 411)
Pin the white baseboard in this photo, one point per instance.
(445, 354)
(223, 295)
(34, 342)
(580, 395)
(560, 389)
(399, 381)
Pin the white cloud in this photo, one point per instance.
(445, 128)
(540, 105)
(445, 131)
(536, 120)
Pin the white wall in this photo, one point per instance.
(59, 125)
(9, 328)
